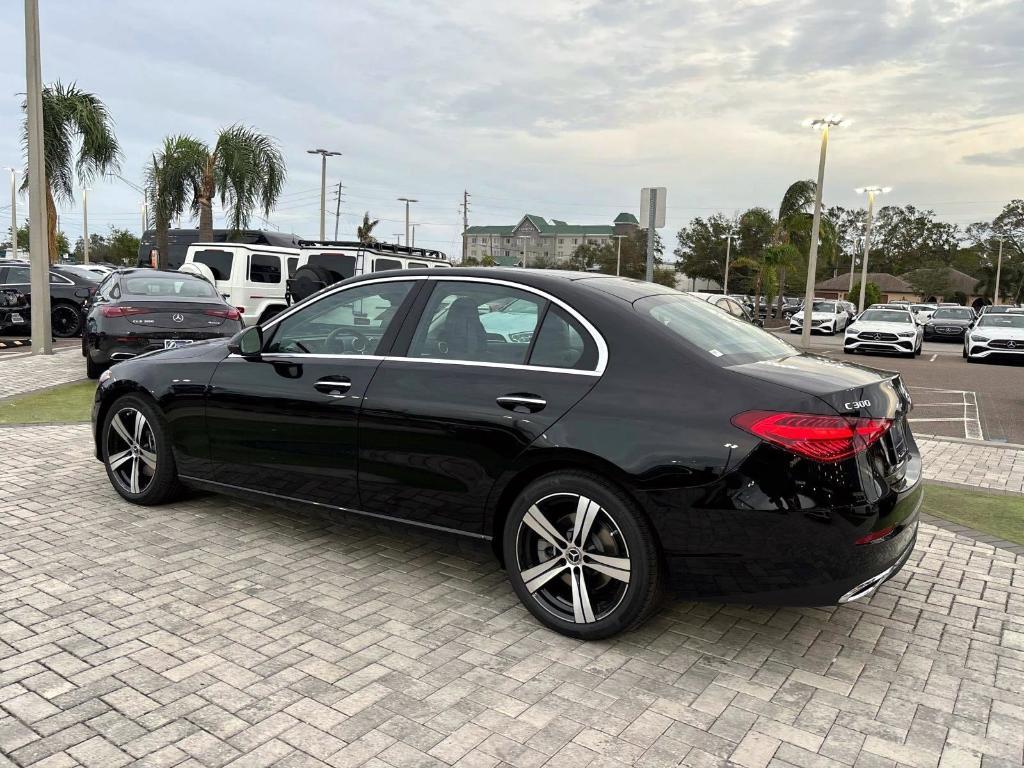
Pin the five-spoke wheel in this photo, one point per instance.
(580, 556)
(136, 453)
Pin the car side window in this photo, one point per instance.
(563, 343)
(380, 265)
(348, 322)
(264, 268)
(17, 275)
(218, 261)
(480, 322)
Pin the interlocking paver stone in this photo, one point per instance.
(214, 632)
(24, 373)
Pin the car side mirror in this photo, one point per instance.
(247, 343)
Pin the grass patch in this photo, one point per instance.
(996, 514)
(68, 402)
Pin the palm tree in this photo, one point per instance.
(792, 225)
(245, 169)
(365, 230)
(72, 117)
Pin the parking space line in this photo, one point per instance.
(963, 403)
(933, 359)
(972, 422)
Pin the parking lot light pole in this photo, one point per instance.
(85, 224)
(999, 269)
(822, 124)
(407, 200)
(14, 212)
(871, 193)
(324, 154)
(42, 341)
(618, 254)
(728, 247)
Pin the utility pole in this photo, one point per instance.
(871, 192)
(824, 124)
(398, 237)
(337, 211)
(728, 248)
(999, 269)
(407, 200)
(85, 223)
(412, 243)
(465, 222)
(42, 341)
(14, 212)
(145, 216)
(324, 154)
(618, 254)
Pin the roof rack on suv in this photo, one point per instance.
(380, 247)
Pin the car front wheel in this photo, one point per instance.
(581, 556)
(137, 454)
(65, 320)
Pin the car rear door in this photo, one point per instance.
(468, 387)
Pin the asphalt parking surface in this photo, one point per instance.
(952, 398)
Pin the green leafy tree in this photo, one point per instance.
(172, 184)
(872, 294)
(23, 240)
(78, 141)
(634, 256)
(929, 281)
(904, 239)
(702, 244)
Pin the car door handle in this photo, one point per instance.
(333, 385)
(522, 402)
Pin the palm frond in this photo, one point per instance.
(248, 172)
(174, 176)
(798, 198)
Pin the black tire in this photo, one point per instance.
(308, 279)
(65, 319)
(919, 350)
(963, 352)
(157, 482)
(92, 368)
(848, 351)
(618, 532)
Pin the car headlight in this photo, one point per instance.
(976, 337)
(907, 334)
(521, 337)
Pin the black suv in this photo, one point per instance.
(69, 291)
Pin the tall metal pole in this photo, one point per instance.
(85, 223)
(728, 248)
(618, 254)
(853, 266)
(649, 275)
(337, 211)
(812, 259)
(323, 193)
(42, 342)
(867, 251)
(412, 243)
(14, 213)
(407, 200)
(999, 269)
(145, 216)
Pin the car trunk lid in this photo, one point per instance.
(177, 315)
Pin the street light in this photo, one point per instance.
(728, 236)
(618, 253)
(999, 270)
(822, 124)
(398, 237)
(324, 154)
(14, 211)
(871, 192)
(85, 223)
(407, 200)
(42, 341)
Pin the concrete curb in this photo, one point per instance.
(969, 441)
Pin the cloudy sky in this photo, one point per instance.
(563, 108)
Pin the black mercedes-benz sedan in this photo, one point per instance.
(610, 438)
(140, 310)
(949, 324)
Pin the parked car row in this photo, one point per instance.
(70, 289)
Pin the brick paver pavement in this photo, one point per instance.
(22, 372)
(989, 466)
(212, 632)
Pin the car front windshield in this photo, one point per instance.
(953, 314)
(718, 335)
(824, 306)
(885, 316)
(81, 273)
(1002, 321)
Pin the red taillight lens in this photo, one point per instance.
(227, 314)
(123, 311)
(820, 438)
(876, 535)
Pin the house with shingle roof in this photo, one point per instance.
(535, 238)
(897, 287)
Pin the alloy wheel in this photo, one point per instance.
(131, 450)
(65, 321)
(572, 558)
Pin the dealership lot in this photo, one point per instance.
(218, 631)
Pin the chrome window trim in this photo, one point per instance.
(595, 335)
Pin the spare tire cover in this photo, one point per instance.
(309, 279)
(198, 269)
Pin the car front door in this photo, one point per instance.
(284, 423)
(470, 384)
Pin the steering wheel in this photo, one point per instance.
(358, 344)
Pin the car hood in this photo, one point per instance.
(875, 325)
(814, 315)
(948, 321)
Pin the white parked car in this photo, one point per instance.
(895, 331)
(923, 311)
(995, 335)
(256, 279)
(827, 316)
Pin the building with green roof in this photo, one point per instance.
(535, 238)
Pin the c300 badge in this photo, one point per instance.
(857, 404)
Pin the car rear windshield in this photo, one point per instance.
(885, 316)
(1002, 320)
(722, 337)
(953, 314)
(219, 262)
(171, 286)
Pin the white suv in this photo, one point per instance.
(260, 280)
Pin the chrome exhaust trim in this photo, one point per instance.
(122, 355)
(867, 588)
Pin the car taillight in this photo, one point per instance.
(876, 535)
(227, 314)
(123, 311)
(820, 438)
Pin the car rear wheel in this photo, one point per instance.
(581, 556)
(137, 452)
(65, 320)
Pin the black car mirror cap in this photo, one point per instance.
(248, 343)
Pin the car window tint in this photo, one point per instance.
(886, 316)
(562, 343)
(264, 268)
(340, 265)
(381, 265)
(293, 264)
(717, 335)
(352, 321)
(1001, 320)
(157, 285)
(219, 262)
(417, 265)
(477, 321)
(60, 279)
(17, 275)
